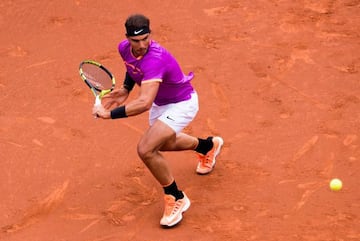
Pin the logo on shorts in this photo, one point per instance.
(168, 117)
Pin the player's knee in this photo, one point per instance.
(144, 152)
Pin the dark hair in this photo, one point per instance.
(136, 21)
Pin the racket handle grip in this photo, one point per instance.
(97, 101)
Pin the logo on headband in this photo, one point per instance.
(131, 31)
(136, 32)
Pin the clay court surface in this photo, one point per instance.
(278, 80)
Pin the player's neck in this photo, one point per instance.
(138, 56)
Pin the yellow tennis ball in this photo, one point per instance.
(335, 184)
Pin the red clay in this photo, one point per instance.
(278, 80)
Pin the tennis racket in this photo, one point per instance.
(98, 78)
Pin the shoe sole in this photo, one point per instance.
(186, 207)
(216, 153)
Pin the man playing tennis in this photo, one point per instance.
(173, 103)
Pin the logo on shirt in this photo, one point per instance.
(138, 31)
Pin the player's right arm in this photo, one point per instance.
(120, 95)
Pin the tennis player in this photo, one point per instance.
(172, 103)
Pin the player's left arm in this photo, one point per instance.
(142, 103)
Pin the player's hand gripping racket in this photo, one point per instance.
(99, 79)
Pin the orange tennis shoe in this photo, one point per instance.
(174, 209)
(207, 162)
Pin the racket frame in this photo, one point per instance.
(98, 93)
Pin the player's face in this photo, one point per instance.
(139, 44)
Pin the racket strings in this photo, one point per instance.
(97, 77)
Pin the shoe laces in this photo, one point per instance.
(171, 206)
(206, 159)
(203, 159)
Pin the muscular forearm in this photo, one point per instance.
(134, 107)
(123, 95)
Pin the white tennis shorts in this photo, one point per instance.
(176, 115)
